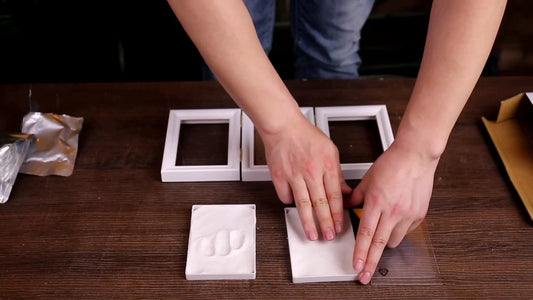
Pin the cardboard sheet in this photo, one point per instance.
(512, 134)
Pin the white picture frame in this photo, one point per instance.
(324, 115)
(249, 170)
(229, 172)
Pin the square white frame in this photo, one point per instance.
(356, 113)
(249, 170)
(229, 172)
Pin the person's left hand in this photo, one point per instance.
(395, 191)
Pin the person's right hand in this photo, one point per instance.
(396, 192)
(305, 169)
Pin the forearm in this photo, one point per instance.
(460, 37)
(224, 34)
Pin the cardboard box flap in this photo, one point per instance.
(509, 134)
(508, 108)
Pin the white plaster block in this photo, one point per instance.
(221, 242)
(321, 260)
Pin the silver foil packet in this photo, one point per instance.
(13, 150)
(56, 143)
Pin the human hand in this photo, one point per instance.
(395, 191)
(304, 166)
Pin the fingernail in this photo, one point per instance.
(312, 235)
(359, 264)
(365, 278)
(330, 234)
(338, 227)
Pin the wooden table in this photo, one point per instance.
(114, 230)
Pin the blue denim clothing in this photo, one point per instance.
(326, 34)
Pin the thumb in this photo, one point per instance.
(356, 199)
(345, 188)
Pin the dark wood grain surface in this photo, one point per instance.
(114, 230)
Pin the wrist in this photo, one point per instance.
(426, 144)
(279, 121)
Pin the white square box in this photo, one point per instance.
(221, 242)
(356, 113)
(229, 172)
(321, 260)
(249, 170)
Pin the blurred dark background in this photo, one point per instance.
(141, 40)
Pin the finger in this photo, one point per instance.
(357, 197)
(367, 226)
(398, 233)
(334, 195)
(322, 209)
(415, 225)
(305, 208)
(345, 188)
(283, 190)
(379, 241)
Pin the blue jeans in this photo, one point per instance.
(326, 34)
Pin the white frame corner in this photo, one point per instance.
(356, 113)
(229, 172)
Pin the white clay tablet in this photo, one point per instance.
(321, 260)
(221, 242)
